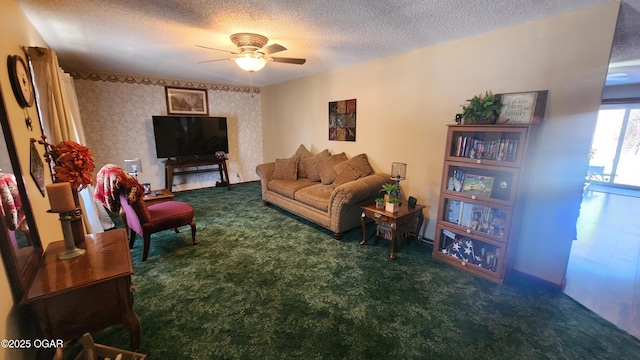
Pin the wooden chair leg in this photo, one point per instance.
(193, 233)
(145, 248)
(132, 238)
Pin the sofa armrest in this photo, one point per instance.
(358, 190)
(265, 173)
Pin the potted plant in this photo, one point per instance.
(481, 109)
(390, 189)
(379, 203)
(393, 204)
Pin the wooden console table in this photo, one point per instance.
(211, 165)
(87, 293)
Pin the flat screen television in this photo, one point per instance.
(190, 137)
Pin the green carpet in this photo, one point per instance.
(264, 284)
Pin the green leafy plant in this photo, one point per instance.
(379, 200)
(390, 188)
(481, 109)
(394, 200)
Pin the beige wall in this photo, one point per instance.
(405, 101)
(117, 119)
(18, 32)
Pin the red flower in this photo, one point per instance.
(72, 162)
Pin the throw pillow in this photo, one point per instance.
(286, 169)
(346, 173)
(301, 154)
(310, 165)
(361, 163)
(326, 168)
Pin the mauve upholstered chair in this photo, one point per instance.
(146, 220)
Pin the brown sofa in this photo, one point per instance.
(322, 188)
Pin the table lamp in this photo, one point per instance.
(133, 167)
(398, 172)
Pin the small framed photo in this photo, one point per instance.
(184, 101)
(522, 108)
(477, 184)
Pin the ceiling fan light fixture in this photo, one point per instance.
(250, 62)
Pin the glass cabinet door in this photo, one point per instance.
(475, 254)
(491, 145)
(476, 218)
(487, 183)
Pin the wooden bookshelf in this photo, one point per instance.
(479, 208)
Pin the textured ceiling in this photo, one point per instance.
(158, 38)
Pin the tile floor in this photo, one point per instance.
(603, 273)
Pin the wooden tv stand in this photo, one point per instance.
(171, 165)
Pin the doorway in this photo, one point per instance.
(602, 270)
(615, 149)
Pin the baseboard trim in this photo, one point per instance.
(538, 280)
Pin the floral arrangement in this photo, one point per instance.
(71, 161)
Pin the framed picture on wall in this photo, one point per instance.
(36, 168)
(342, 120)
(522, 108)
(184, 101)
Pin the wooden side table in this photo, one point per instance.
(158, 196)
(395, 221)
(87, 293)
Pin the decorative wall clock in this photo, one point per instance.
(20, 80)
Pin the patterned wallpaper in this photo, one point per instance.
(117, 118)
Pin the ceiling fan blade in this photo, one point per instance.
(210, 48)
(272, 49)
(289, 60)
(208, 61)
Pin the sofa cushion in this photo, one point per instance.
(288, 188)
(169, 214)
(310, 165)
(301, 154)
(326, 168)
(286, 169)
(316, 196)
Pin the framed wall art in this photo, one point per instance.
(522, 108)
(36, 168)
(184, 101)
(342, 120)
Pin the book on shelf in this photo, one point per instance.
(455, 210)
(503, 149)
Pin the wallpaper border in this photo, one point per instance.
(149, 80)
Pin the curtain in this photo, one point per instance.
(60, 120)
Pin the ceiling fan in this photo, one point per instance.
(252, 53)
